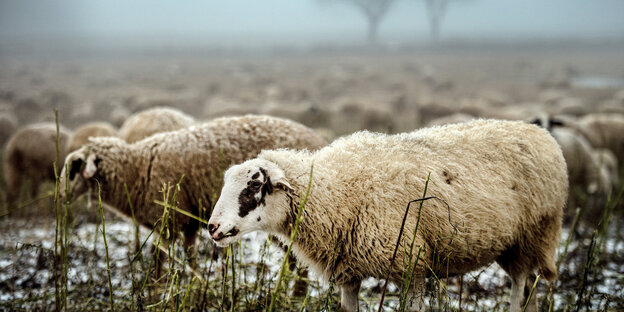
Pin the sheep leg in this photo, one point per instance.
(301, 283)
(14, 186)
(349, 297)
(521, 285)
(35, 182)
(189, 249)
(532, 306)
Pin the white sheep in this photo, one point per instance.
(154, 120)
(93, 129)
(200, 153)
(603, 131)
(8, 123)
(585, 167)
(30, 154)
(499, 187)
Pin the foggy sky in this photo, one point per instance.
(301, 21)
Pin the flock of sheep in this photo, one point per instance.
(468, 171)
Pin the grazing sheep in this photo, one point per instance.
(603, 131)
(499, 187)
(8, 122)
(94, 129)
(584, 167)
(607, 160)
(31, 153)
(200, 153)
(145, 123)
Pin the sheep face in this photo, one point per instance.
(79, 167)
(249, 201)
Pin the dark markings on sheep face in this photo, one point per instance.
(247, 199)
(258, 219)
(513, 187)
(75, 168)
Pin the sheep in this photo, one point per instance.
(607, 160)
(603, 131)
(200, 153)
(8, 124)
(94, 129)
(584, 166)
(499, 187)
(145, 123)
(31, 153)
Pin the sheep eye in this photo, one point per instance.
(76, 165)
(255, 184)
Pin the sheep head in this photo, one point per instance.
(80, 166)
(253, 198)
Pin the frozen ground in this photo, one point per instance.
(26, 269)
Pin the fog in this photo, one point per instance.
(299, 23)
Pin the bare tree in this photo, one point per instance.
(436, 10)
(373, 10)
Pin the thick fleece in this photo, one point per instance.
(499, 187)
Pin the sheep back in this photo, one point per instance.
(31, 153)
(148, 122)
(92, 129)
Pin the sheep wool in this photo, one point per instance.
(93, 129)
(199, 153)
(151, 121)
(30, 154)
(499, 189)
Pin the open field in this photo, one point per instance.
(54, 256)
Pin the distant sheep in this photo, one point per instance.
(93, 129)
(603, 131)
(499, 187)
(606, 159)
(584, 166)
(30, 154)
(200, 153)
(8, 123)
(148, 122)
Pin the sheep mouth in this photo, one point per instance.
(230, 233)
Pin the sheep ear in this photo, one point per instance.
(282, 184)
(278, 178)
(90, 167)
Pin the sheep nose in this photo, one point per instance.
(212, 228)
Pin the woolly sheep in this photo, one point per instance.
(145, 123)
(8, 123)
(584, 166)
(607, 160)
(200, 153)
(93, 129)
(31, 153)
(604, 131)
(505, 184)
